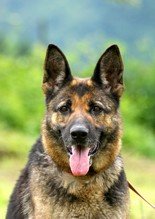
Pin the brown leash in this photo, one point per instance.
(134, 190)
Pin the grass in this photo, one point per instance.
(10, 169)
(139, 172)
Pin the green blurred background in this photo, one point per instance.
(83, 30)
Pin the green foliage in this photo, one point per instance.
(140, 79)
(138, 106)
(22, 101)
(21, 97)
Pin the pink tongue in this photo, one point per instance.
(79, 161)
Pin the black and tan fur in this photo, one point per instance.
(47, 188)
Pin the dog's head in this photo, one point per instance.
(81, 130)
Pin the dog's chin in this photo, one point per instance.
(80, 159)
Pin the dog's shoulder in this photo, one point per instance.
(21, 195)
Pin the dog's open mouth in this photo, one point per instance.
(80, 159)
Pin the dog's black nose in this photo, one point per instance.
(79, 132)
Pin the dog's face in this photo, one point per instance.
(81, 130)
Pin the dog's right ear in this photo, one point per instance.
(56, 70)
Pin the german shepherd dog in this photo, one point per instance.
(75, 169)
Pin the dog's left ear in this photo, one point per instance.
(109, 71)
(56, 69)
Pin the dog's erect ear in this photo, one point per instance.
(109, 71)
(56, 69)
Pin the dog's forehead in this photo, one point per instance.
(81, 86)
(83, 91)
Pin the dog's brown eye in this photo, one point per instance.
(64, 109)
(96, 109)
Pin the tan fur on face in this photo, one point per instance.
(52, 148)
(106, 157)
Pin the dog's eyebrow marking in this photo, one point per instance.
(89, 82)
(74, 82)
(106, 108)
(62, 103)
(99, 104)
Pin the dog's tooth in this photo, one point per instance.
(90, 161)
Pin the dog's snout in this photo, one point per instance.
(79, 132)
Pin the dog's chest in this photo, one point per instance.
(87, 203)
(92, 209)
(54, 198)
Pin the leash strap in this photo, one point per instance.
(134, 190)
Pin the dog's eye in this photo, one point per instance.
(64, 109)
(96, 110)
